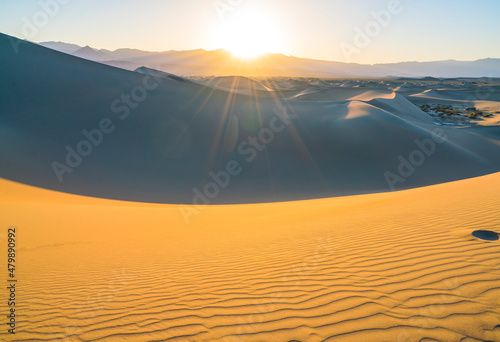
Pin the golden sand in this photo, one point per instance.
(398, 266)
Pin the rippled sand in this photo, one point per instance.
(399, 266)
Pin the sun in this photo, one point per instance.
(248, 33)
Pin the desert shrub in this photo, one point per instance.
(425, 107)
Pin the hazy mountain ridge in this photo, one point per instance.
(222, 63)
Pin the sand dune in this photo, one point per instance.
(399, 266)
(333, 94)
(161, 74)
(164, 136)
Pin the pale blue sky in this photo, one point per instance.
(423, 30)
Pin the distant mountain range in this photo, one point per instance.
(223, 63)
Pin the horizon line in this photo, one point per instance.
(264, 54)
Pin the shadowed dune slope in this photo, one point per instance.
(169, 136)
(399, 266)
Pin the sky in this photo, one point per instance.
(360, 31)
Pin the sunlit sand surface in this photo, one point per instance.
(400, 266)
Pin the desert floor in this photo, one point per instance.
(398, 266)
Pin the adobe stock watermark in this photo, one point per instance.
(363, 37)
(93, 138)
(408, 165)
(48, 9)
(250, 148)
(224, 6)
